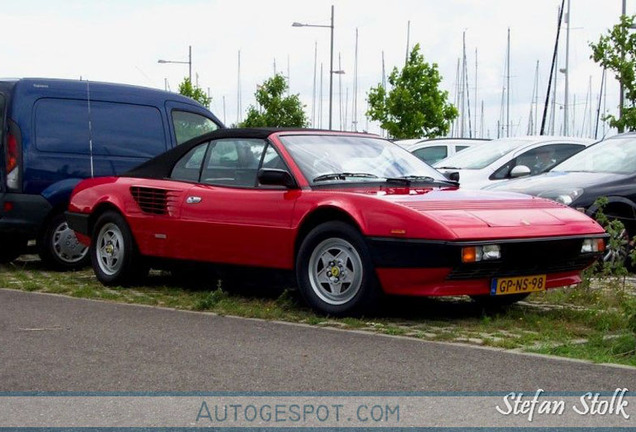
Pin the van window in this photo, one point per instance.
(117, 129)
(188, 125)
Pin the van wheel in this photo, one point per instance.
(12, 247)
(59, 247)
(113, 252)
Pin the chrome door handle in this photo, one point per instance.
(193, 200)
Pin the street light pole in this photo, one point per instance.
(331, 71)
(189, 62)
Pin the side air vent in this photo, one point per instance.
(154, 201)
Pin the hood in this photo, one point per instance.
(577, 189)
(469, 214)
(485, 214)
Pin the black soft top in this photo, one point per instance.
(160, 166)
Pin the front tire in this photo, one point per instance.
(59, 248)
(113, 252)
(334, 271)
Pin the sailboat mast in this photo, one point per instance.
(552, 74)
(239, 108)
(313, 97)
(508, 87)
(598, 109)
(532, 121)
(354, 120)
(567, 73)
(476, 93)
(470, 132)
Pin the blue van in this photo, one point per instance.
(55, 132)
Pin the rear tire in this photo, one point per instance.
(113, 252)
(59, 248)
(334, 271)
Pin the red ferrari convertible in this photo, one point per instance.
(353, 215)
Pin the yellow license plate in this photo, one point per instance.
(517, 285)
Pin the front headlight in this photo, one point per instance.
(472, 254)
(566, 197)
(593, 245)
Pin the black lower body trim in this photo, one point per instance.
(78, 222)
(518, 257)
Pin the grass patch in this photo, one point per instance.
(594, 321)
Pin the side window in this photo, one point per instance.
(543, 158)
(460, 148)
(431, 155)
(272, 159)
(189, 166)
(564, 151)
(233, 162)
(188, 125)
(538, 159)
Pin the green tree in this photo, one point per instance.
(415, 106)
(616, 51)
(274, 108)
(195, 92)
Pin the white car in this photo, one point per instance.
(507, 158)
(435, 149)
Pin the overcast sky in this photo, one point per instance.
(121, 41)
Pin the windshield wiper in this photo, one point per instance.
(408, 179)
(343, 176)
(446, 168)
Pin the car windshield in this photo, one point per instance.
(337, 158)
(615, 155)
(481, 156)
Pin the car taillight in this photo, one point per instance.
(12, 153)
(12, 162)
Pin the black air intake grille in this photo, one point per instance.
(154, 201)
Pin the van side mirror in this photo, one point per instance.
(276, 177)
(520, 171)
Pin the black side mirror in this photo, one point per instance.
(454, 176)
(276, 177)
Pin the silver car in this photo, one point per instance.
(507, 158)
(433, 150)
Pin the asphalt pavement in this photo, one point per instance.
(56, 343)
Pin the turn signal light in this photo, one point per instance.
(593, 245)
(472, 254)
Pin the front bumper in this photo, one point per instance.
(435, 268)
(22, 214)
